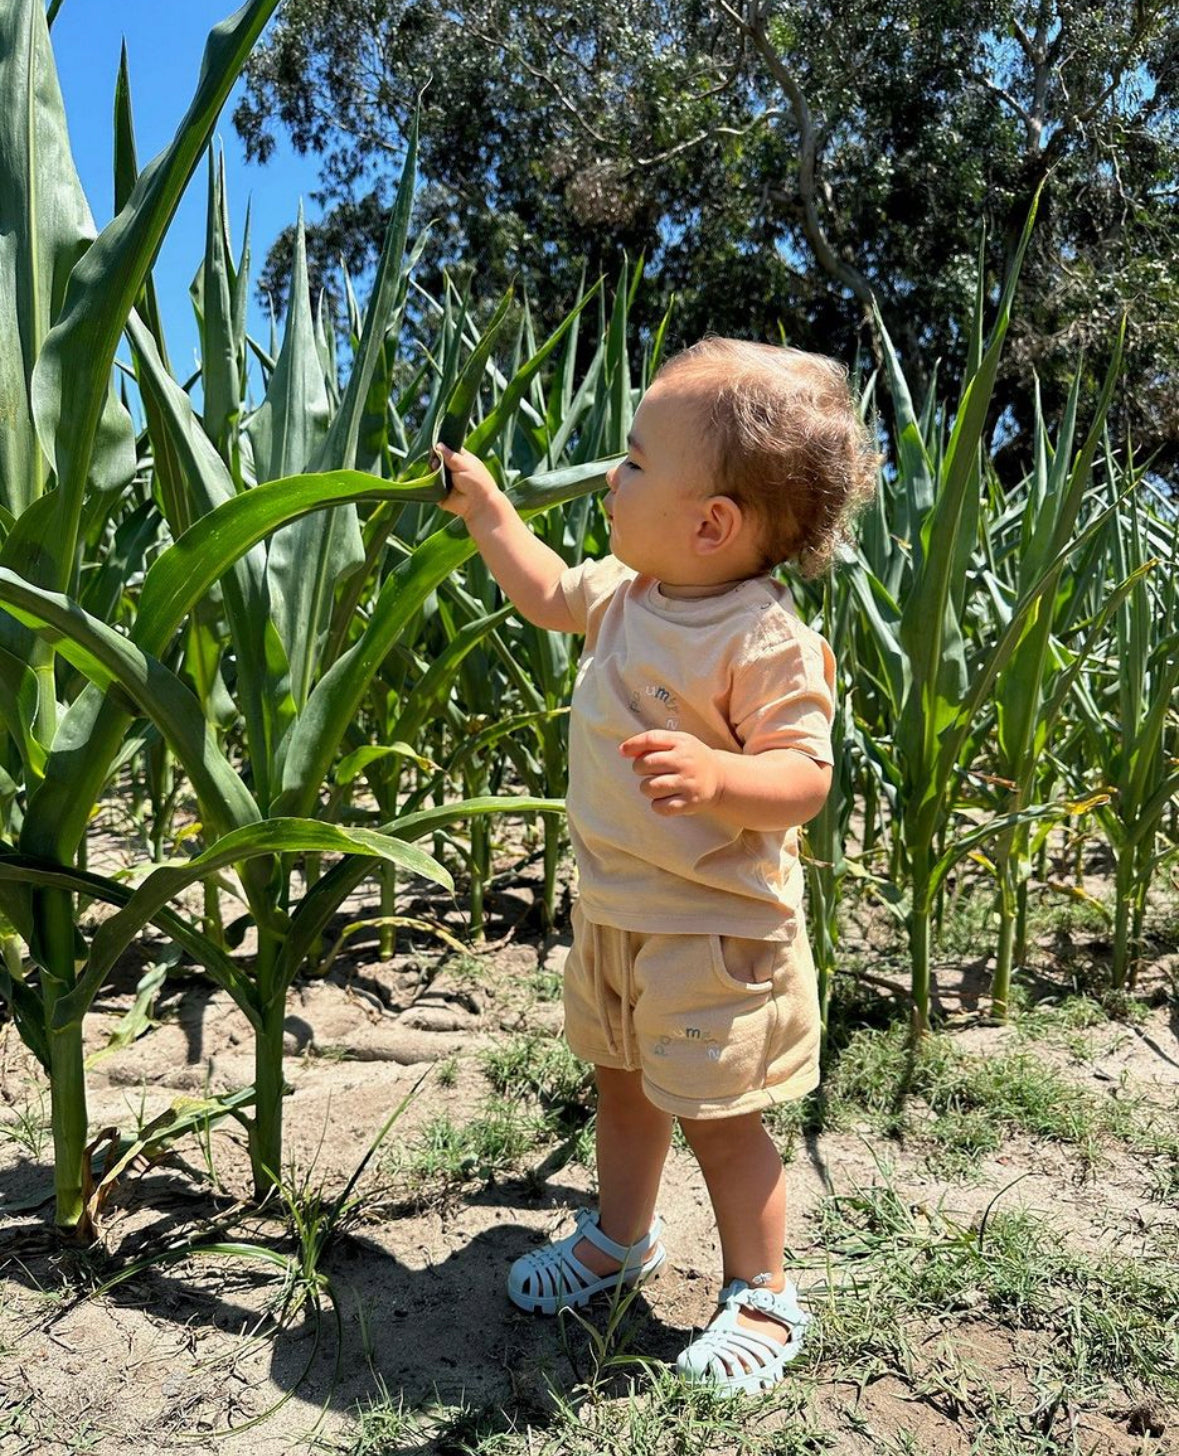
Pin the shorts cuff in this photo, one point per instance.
(758, 1099)
(598, 1056)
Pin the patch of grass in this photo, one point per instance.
(468, 1430)
(959, 1139)
(22, 1429)
(468, 970)
(974, 1100)
(541, 1067)
(1157, 1138)
(661, 1415)
(382, 1425)
(1068, 1013)
(787, 1123)
(970, 922)
(547, 983)
(1106, 1319)
(28, 1126)
(445, 1154)
(544, 1066)
(648, 1412)
(1162, 914)
(329, 1052)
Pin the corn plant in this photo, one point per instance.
(296, 709)
(935, 673)
(65, 301)
(825, 838)
(1033, 685)
(1128, 715)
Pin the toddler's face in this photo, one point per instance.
(658, 492)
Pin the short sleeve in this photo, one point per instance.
(587, 590)
(783, 694)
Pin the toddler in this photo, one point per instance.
(699, 742)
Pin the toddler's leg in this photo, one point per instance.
(747, 1186)
(633, 1137)
(619, 1240)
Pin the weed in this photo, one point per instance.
(960, 1139)
(446, 1074)
(891, 1267)
(881, 1072)
(445, 1154)
(329, 1052)
(971, 920)
(789, 1120)
(546, 983)
(543, 1065)
(28, 1126)
(1161, 1146)
(469, 1431)
(382, 1426)
(609, 1348)
(662, 1415)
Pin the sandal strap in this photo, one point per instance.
(780, 1305)
(628, 1255)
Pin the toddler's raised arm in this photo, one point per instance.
(528, 571)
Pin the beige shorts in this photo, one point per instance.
(718, 1026)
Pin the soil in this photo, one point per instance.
(174, 1356)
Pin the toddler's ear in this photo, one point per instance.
(719, 525)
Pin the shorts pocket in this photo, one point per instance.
(744, 966)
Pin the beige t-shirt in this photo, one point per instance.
(741, 672)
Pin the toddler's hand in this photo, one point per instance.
(471, 483)
(679, 774)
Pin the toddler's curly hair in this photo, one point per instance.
(787, 441)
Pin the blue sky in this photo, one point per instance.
(165, 42)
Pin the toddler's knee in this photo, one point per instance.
(721, 1139)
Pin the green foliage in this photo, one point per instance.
(245, 638)
(256, 612)
(778, 172)
(1101, 1313)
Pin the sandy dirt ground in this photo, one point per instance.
(174, 1356)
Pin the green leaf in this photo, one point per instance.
(262, 670)
(307, 558)
(324, 898)
(268, 837)
(25, 871)
(336, 698)
(91, 732)
(137, 1019)
(423, 702)
(71, 377)
(111, 661)
(456, 417)
(338, 450)
(45, 227)
(505, 407)
(354, 764)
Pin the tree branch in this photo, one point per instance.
(752, 27)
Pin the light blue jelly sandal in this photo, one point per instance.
(550, 1278)
(734, 1359)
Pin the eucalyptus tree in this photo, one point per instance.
(793, 164)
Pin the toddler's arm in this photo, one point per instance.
(526, 569)
(773, 790)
